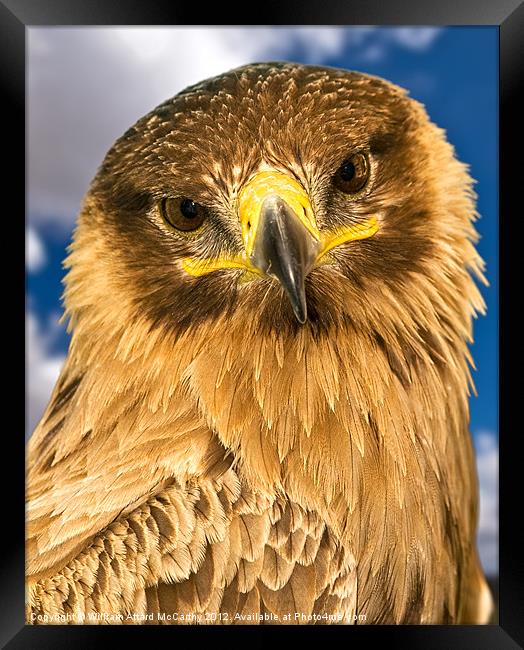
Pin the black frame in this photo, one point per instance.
(508, 15)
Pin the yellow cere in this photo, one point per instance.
(262, 185)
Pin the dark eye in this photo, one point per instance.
(352, 174)
(183, 214)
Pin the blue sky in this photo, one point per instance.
(87, 85)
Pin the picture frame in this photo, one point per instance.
(16, 17)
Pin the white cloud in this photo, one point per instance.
(379, 42)
(87, 85)
(373, 52)
(488, 469)
(42, 366)
(415, 38)
(35, 254)
(316, 44)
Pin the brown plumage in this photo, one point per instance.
(206, 456)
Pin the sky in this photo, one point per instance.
(86, 86)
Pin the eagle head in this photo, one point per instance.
(280, 229)
(284, 196)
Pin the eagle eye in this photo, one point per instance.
(352, 174)
(182, 213)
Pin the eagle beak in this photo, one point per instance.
(284, 249)
(280, 234)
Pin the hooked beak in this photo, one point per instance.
(280, 234)
(286, 250)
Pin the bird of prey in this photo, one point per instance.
(263, 415)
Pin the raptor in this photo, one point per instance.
(263, 415)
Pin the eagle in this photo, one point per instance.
(263, 414)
